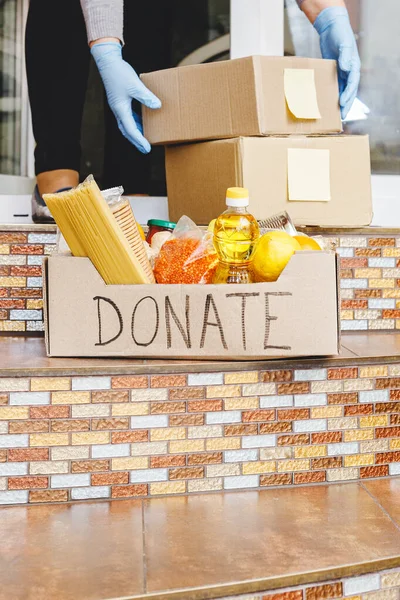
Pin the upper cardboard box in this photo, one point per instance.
(258, 95)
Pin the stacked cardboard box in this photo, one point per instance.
(270, 124)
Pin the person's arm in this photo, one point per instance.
(104, 24)
(331, 19)
(312, 8)
(103, 18)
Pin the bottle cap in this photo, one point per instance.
(159, 223)
(237, 196)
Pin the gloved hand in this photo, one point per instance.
(337, 42)
(122, 85)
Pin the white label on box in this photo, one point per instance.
(301, 93)
(309, 175)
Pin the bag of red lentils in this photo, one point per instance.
(188, 257)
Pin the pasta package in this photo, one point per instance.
(91, 230)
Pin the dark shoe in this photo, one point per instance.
(40, 212)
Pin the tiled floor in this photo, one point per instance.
(231, 543)
(27, 355)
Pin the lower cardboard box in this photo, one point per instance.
(294, 316)
(318, 180)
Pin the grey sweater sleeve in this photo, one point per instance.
(103, 18)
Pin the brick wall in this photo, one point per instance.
(373, 586)
(64, 438)
(21, 256)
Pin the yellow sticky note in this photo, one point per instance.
(309, 175)
(301, 93)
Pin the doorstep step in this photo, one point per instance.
(310, 543)
(370, 276)
(74, 429)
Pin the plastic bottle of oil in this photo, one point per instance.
(235, 238)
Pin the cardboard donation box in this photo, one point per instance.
(258, 95)
(323, 181)
(295, 316)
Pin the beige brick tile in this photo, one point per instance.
(222, 470)
(12, 325)
(390, 252)
(244, 377)
(326, 412)
(167, 433)
(32, 304)
(4, 248)
(48, 467)
(227, 443)
(358, 435)
(342, 423)
(90, 437)
(170, 487)
(346, 315)
(48, 384)
(90, 410)
(254, 467)
(342, 474)
(205, 485)
(176, 447)
(223, 391)
(368, 273)
(8, 384)
(358, 385)
(69, 453)
(49, 439)
(387, 594)
(378, 371)
(318, 387)
(382, 283)
(359, 460)
(130, 409)
(309, 451)
(374, 446)
(8, 282)
(389, 580)
(293, 465)
(129, 463)
(374, 421)
(259, 389)
(276, 453)
(391, 293)
(70, 398)
(149, 448)
(205, 431)
(14, 412)
(241, 403)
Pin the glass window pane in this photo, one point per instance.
(10, 88)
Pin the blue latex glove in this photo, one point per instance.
(338, 42)
(122, 85)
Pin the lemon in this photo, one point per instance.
(274, 250)
(307, 243)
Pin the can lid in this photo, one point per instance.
(237, 196)
(160, 223)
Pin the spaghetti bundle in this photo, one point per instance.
(90, 229)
